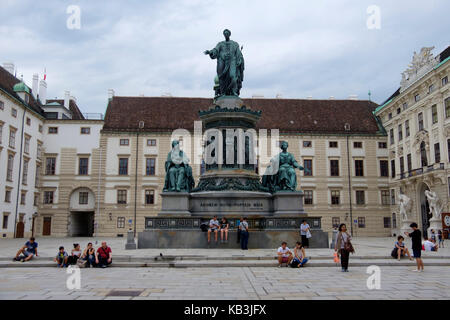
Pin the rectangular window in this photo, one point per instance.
(335, 197)
(26, 147)
(308, 196)
(437, 153)
(2, 105)
(83, 166)
(121, 196)
(391, 136)
(50, 166)
(28, 122)
(387, 222)
(35, 200)
(431, 88)
(124, 142)
(308, 167)
(14, 112)
(409, 162)
(40, 128)
(5, 221)
(407, 128)
(334, 168)
(335, 221)
(123, 166)
(10, 167)
(400, 132)
(333, 144)
(7, 195)
(444, 80)
(405, 106)
(25, 172)
(385, 197)
(390, 116)
(359, 168)
(361, 222)
(120, 222)
(36, 176)
(85, 130)
(150, 168)
(384, 170)
(357, 145)
(392, 196)
(48, 197)
(434, 114)
(39, 150)
(402, 165)
(360, 198)
(151, 142)
(447, 107)
(149, 196)
(12, 138)
(382, 145)
(83, 197)
(393, 168)
(420, 120)
(23, 196)
(307, 144)
(52, 130)
(417, 97)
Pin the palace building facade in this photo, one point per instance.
(102, 177)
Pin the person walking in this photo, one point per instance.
(441, 239)
(343, 246)
(305, 233)
(416, 237)
(243, 227)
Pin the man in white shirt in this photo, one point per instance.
(430, 246)
(214, 226)
(284, 255)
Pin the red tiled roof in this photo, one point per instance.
(287, 115)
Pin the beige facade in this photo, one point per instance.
(417, 120)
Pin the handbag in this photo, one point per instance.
(308, 234)
(81, 263)
(348, 245)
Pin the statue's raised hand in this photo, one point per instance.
(206, 52)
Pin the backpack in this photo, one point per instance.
(294, 263)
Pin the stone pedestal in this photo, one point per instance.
(131, 244)
(288, 203)
(405, 227)
(175, 204)
(435, 224)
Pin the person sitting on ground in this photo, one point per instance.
(214, 226)
(61, 258)
(224, 225)
(284, 255)
(89, 255)
(299, 255)
(104, 256)
(400, 250)
(28, 251)
(430, 245)
(75, 254)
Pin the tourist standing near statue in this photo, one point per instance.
(305, 233)
(343, 246)
(243, 227)
(416, 237)
(239, 230)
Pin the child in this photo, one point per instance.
(61, 258)
(400, 249)
(416, 237)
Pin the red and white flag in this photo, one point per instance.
(45, 74)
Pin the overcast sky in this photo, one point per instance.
(293, 48)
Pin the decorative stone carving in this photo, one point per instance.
(421, 63)
(405, 205)
(435, 204)
(421, 136)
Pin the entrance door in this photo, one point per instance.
(47, 227)
(81, 224)
(20, 229)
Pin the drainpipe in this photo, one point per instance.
(135, 182)
(97, 215)
(20, 172)
(347, 128)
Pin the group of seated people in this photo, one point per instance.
(400, 250)
(296, 259)
(89, 257)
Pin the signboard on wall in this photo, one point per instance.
(446, 224)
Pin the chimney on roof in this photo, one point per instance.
(257, 96)
(279, 96)
(35, 85)
(9, 66)
(331, 98)
(353, 97)
(309, 97)
(110, 94)
(66, 99)
(43, 91)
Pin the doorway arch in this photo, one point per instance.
(81, 213)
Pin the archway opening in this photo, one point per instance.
(82, 213)
(424, 209)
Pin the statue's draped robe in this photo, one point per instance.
(178, 168)
(230, 67)
(280, 174)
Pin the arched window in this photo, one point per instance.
(423, 154)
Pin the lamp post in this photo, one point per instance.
(347, 129)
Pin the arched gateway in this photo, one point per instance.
(82, 212)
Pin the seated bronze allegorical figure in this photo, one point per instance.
(280, 174)
(178, 171)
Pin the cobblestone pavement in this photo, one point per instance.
(226, 283)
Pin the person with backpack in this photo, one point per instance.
(104, 256)
(343, 246)
(299, 256)
(416, 237)
(75, 254)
